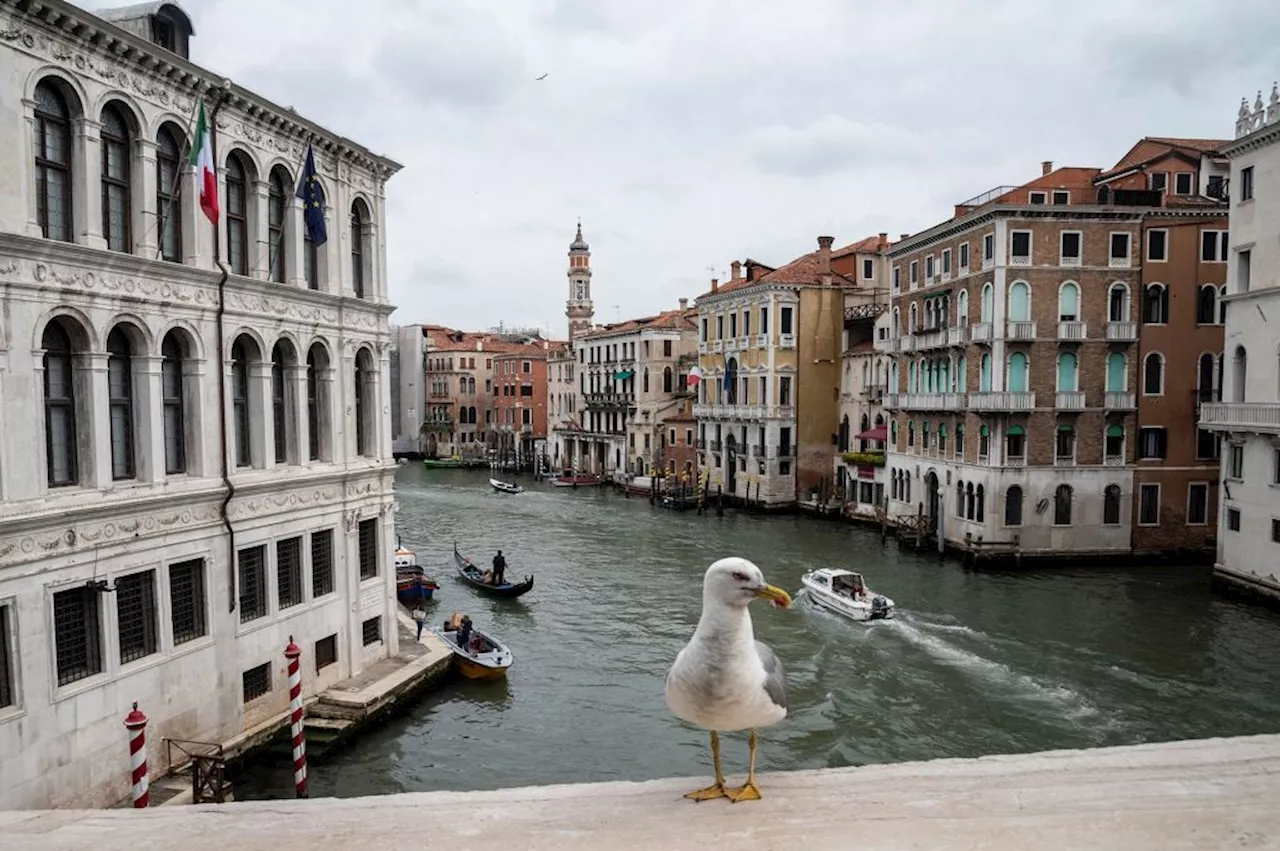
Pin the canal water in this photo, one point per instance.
(975, 663)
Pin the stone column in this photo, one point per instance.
(382, 393)
(93, 420)
(261, 421)
(148, 418)
(329, 405)
(201, 435)
(86, 192)
(295, 400)
(294, 243)
(145, 222)
(259, 238)
(26, 184)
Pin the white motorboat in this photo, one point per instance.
(845, 593)
(505, 487)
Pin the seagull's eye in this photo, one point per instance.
(739, 576)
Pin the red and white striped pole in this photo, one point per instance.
(136, 723)
(295, 720)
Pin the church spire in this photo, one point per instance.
(578, 308)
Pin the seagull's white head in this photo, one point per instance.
(736, 582)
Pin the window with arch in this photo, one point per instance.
(1206, 305)
(1117, 372)
(911, 433)
(1019, 302)
(169, 165)
(1153, 374)
(984, 374)
(52, 140)
(988, 302)
(980, 510)
(243, 350)
(120, 403)
(1205, 369)
(1015, 444)
(174, 355)
(962, 309)
(911, 378)
(116, 147)
(62, 455)
(644, 381)
(319, 423)
(914, 315)
(283, 405)
(1111, 505)
(730, 384)
(1068, 372)
(1239, 373)
(359, 232)
(277, 214)
(365, 387)
(1069, 302)
(1222, 305)
(1118, 303)
(1018, 372)
(960, 498)
(1155, 304)
(668, 386)
(1013, 506)
(897, 322)
(237, 181)
(1062, 505)
(968, 501)
(962, 368)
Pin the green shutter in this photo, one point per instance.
(1115, 431)
(1065, 427)
(1014, 430)
(983, 430)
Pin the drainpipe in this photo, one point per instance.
(223, 94)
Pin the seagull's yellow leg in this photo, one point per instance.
(749, 792)
(717, 790)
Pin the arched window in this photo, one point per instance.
(168, 206)
(311, 257)
(277, 211)
(1111, 505)
(962, 309)
(962, 368)
(1222, 305)
(911, 433)
(731, 381)
(984, 374)
(237, 215)
(1062, 505)
(1069, 302)
(359, 222)
(897, 322)
(120, 403)
(842, 436)
(1153, 374)
(1013, 506)
(60, 436)
(1204, 378)
(240, 354)
(914, 319)
(173, 357)
(1019, 302)
(116, 148)
(668, 386)
(644, 381)
(1206, 303)
(365, 385)
(959, 499)
(968, 501)
(318, 416)
(1017, 373)
(1118, 303)
(980, 510)
(1239, 372)
(52, 138)
(988, 302)
(1155, 304)
(893, 433)
(1117, 372)
(1068, 372)
(283, 405)
(911, 378)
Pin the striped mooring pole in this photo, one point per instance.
(136, 723)
(295, 720)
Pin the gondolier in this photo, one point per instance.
(499, 569)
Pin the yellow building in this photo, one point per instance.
(769, 353)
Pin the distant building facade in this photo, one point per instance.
(520, 402)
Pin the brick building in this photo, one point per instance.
(519, 402)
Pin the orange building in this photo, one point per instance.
(519, 401)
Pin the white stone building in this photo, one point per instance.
(562, 405)
(408, 389)
(1249, 415)
(161, 416)
(862, 436)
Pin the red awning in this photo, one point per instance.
(880, 432)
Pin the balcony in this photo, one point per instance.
(1113, 461)
(762, 341)
(1122, 332)
(956, 336)
(980, 332)
(1069, 400)
(1015, 461)
(1019, 259)
(1020, 330)
(903, 344)
(702, 347)
(745, 342)
(780, 412)
(873, 394)
(1118, 262)
(1258, 417)
(717, 346)
(786, 341)
(731, 344)
(1118, 400)
(1002, 401)
(1072, 331)
(931, 340)
(929, 401)
(781, 451)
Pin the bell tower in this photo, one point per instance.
(579, 308)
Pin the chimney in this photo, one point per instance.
(737, 270)
(684, 303)
(904, 236)
(1046, 167)
(883, 242)
(715, 284)
(824, 254)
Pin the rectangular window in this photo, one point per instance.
(253, 583)
(946, 262)
(868, 269)
(1070, 248)
(1157, 245)
(1152, 442)
(913, 277)
(897, 279)
(1213, 246)
(1159, 181)
(289, 572)
(1061, 197)
(964, 255)
(1206, 445)
(8, 691)
(1037, 198)
(702, 339)
(526, 366)
(1119, 248)
(784, 322)
(371, 631)
(764, 320)
(1197, 504)
(720, 327)
(733, 325)
(784, 390)
(989, 247)
(928, 268)
(1020, 246)
(326, 652)
(187, 601)
(368, 548)
(1149, 505)
(746, 329)
(1246, 183)
(526, 390)
(1244, 270)
(1275, 531)
(1235, 462)
(256, 681)
(136, 615)
(77, 630)
(1233, 519)
(1275, 467)
(1182, 182)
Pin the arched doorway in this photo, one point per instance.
(731, 463)
(931, 505)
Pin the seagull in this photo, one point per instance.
(724, 679)
(543, 77)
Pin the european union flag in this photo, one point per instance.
(312, 195)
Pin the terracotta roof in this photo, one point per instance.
(863, 346)
(667, 319)
(1204, 146)
(870, 245)
(1155, 147)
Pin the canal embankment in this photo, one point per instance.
(1176, 796)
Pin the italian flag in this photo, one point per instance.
(206, 174)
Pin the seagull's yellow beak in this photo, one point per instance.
(774, 595)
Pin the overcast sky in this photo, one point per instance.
(687, 133)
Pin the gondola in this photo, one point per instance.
(474, 577)
(483, 658)
(505, 487)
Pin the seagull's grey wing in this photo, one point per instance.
(775, 678)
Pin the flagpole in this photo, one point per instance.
(176, 187)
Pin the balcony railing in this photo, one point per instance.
(928, 401)
(980, 332)
(1113, 461)
(1118, 262)
(1122, 332)
(1020, 330)
(1118, 400)
(956, 336)
(781, 451)
(786, 341)
(1069, 400)
(731, 344)
(717, 346)
(1019, 259)
(1260, 417)
(931, 339)
(1072, 330)
(1002, 401)
(1015, 461)
(762, 341)
(702, 347)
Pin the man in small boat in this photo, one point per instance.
(464, 632)
(499, 569)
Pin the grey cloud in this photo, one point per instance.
(832, 144)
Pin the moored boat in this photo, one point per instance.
(575, 481)
(505, 487)
(412, 584)
(846, 593)
(479, 655)
(478, 579)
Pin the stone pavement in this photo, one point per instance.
(1180, 796)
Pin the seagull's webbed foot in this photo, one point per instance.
(717, 789)
(749, 791)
